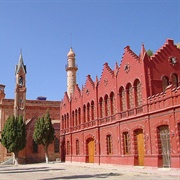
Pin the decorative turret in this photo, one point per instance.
(20, 88)
(2, 94)
(71, 69)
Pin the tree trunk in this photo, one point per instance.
(15, 158)
(46, 154)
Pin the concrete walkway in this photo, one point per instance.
(57, 170)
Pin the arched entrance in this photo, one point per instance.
(90, 150)
(164, 145)
(139, 146)
(63, 150)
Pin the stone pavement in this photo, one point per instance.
(81, 171)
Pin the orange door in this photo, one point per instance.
(91, 151)
(140, 145)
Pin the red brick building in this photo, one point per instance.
(30, 110)
(128, 116)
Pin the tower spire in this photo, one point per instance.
(71, 69)
(20, 88)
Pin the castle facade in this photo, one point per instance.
(128, 116)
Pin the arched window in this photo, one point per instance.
(76, 121)
(77, 147)
(88, 112)
(56, 145)
(126, 143)
(174, 79)
(109, 144)
(79, 115)
(73, 119)
(129, 91)
(112, 103)
(21, 81)
(92, 110)
(122, 99)
(138, 92)
(84, 113)
(101, 107)
(165, 83)
(67, 120)
(62, 122)
(106, 105)
(68, 148)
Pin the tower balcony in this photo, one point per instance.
(67, 67)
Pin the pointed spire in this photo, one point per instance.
(96, 81)
(143, 51)
(116, 69)
(20, 63)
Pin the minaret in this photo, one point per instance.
(20, 89)
(71, 69)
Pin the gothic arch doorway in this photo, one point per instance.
(63, 150)
(139, 146)
(90, 150)
(164, 145)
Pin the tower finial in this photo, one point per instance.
(71, 39)
(21, 51)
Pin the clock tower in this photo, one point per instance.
(20, 89)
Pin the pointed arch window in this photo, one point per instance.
(129, 91)
(101, 107)
(126, 143)
(106, 105)
(109, 144)
(65, 122)
(77, 147)
(88, 112)
(73, 118)
(92, 110)
(165, 83)
(84, 113)
(174, 79)
(68, 148)
(138, 92)
(21, 81)
(79, 115)
(122, 99)
(62, 122)
(112, 103)
(76, 121)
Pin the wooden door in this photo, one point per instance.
(90, 146)
(165, 145)
(140, 146)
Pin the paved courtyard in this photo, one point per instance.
(57, 170)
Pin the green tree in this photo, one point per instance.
(44, 133)
(13, 136)
(149, 52)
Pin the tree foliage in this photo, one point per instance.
(149, 52)
(13, 136)
(44, 133)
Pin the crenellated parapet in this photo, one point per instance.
(168, 99)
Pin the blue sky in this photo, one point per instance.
(97, 30)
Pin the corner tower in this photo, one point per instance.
(71, 69)
(20, 88)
